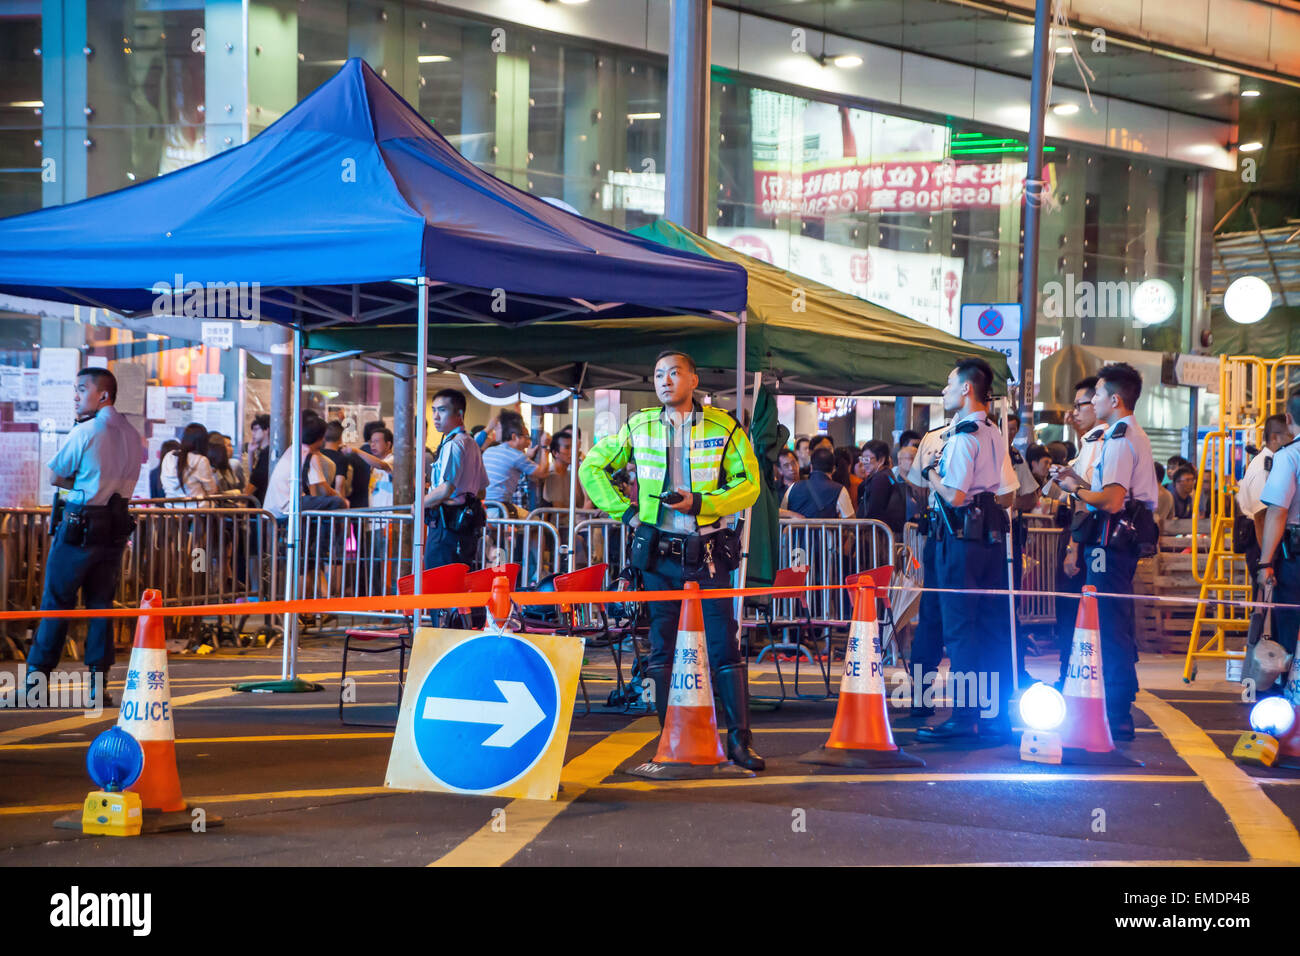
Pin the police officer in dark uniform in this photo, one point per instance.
(95, 473)
(1116, 530)
(1279, 549)
(970, 529)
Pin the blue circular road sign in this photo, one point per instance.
(486, 713)
(990, 321)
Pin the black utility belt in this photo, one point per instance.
(701, 555)
(96, 525)
(981, 521)
(1290, 549)
(1132, 529)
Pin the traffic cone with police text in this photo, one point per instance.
(861, 736)
(1085, 733)
(146, 714)
(688, 745)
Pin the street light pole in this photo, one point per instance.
(1032, 211)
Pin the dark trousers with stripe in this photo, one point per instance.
(1110, 570)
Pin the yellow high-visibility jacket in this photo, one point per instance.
(723, 470)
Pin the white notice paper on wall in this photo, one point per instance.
(179, 409)
(28, 407)
(19, 469)
(131, 380)
(11, 383)
(51, 442)
(216, 416)
(212, 385)
(156, 403)
(58, 381)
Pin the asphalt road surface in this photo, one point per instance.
(294, 787)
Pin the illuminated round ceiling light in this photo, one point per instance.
(1065, 109)
(1252, 146)
(1250, 92)
(1154, 301)
(847, 61)
(1247, 299)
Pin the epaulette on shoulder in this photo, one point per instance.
(967, 427)
(1120, 430)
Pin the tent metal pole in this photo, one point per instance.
(573, 474)
(743, 571)
(740, 365)
(290, 662)
(290, 682)
(421, 398)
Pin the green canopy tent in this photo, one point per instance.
(837, 344)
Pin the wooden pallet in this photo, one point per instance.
(1165, 628)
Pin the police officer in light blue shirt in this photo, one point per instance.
(970, 526)
(96, 472)
(1279, 546)
(1120, 500)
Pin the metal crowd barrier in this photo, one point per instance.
(833, 549)
(533, 545)
(1036, 605)
(358, 552)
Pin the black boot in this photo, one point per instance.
(97, 693)
(733, 694)
(658, 680)
(1121, 723)
(962, 725)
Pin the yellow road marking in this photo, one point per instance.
(525, 819)
(794, 779)
(1264, 830)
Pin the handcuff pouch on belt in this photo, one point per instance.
(464, 519)
(109, 525)
(1290, 549)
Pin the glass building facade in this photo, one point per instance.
(918, 212)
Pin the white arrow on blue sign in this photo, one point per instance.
(486, 713)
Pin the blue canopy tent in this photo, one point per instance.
(353, 209)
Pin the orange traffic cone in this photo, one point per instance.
(861, 736)
(689, 746)
(1085, 734)
(146, 714)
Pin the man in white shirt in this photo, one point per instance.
(1251, 508)
(318, 495)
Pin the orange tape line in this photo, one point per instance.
(409, 602)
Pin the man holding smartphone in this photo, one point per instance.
(695, 467)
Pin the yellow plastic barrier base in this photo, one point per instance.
(1040, 746)
(109, 813)
(1255, 748)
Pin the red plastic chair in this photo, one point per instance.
(794, 582)
(447, 579)
(479, 582)
(590, 578)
